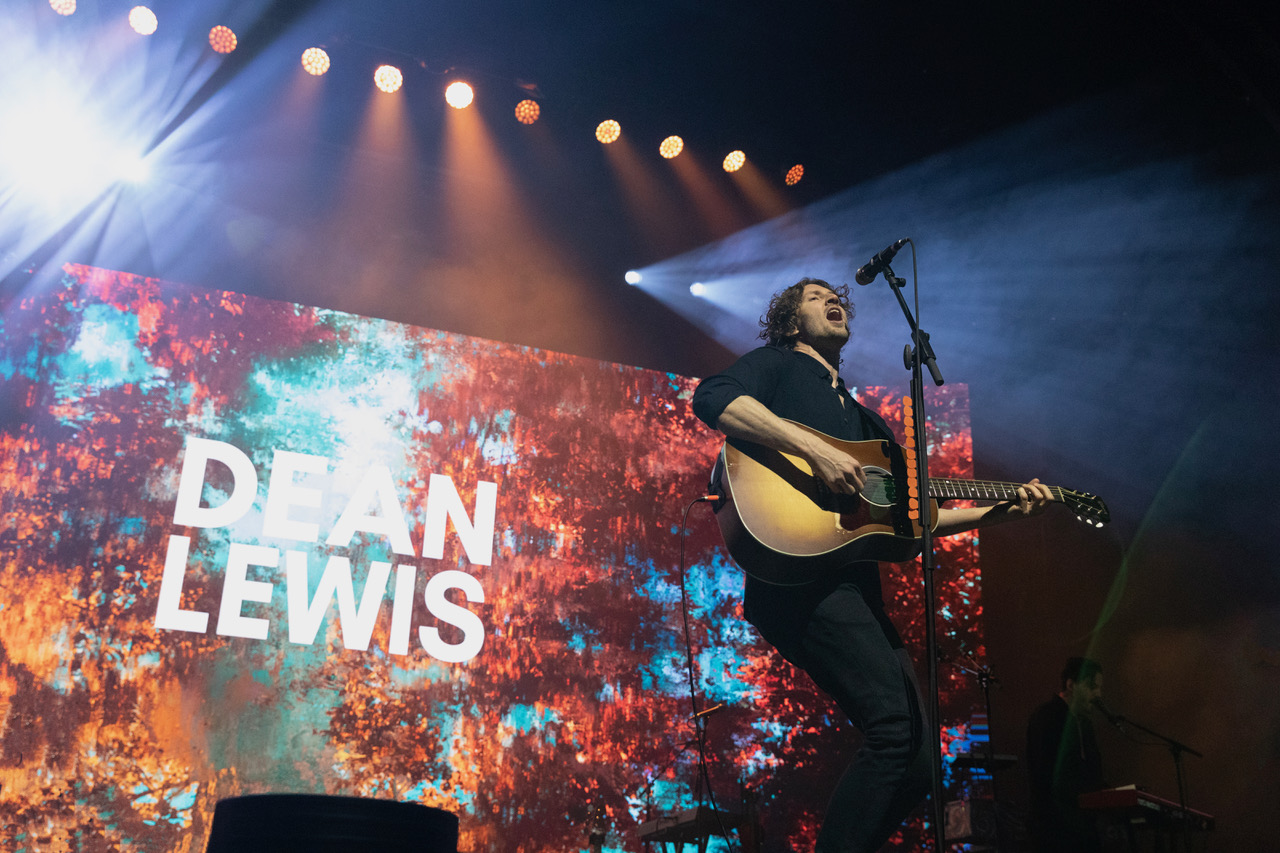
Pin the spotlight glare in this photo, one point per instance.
(222, 39)
(794, 174)
(133, 168)
(698, 288)
(459, 95)
(315, 61)
(527, 111)
(63, 7)
(58, 151)
(671, 147)
(633, 277)
(388, 78)
(608, 131)
(734, 161)
(143, 20)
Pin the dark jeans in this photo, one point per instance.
(854, 654)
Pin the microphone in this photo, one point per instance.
(867, 272)
(1113, 719)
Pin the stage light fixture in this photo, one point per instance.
(734, 161)
(459, 95)
(608, 131)
(315, 61)
(222, 39)
(63, 7)
(698, 288)
(58, 151)
(633, 277)
(143, 20)
(527, 111)
(388, 78)
(671, 147)
(794, 174)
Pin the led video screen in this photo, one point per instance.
(253, 546)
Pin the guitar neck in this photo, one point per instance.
(945, 489)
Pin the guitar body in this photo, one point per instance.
(783, 526)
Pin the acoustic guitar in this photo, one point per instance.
(782, 525)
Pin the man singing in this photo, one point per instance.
(835, 628)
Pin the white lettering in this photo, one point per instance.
(169, 613)
(187, 510)
(237, 589)
(444, 504)
(402, 609)
(305, 616)
(283, 492)
(451, 614)
(377, 483)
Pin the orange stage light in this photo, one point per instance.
(733, 161)
(388, 78)
(671, 147)
(794, 174)
(527, 111)
(608, 131)
(222, 39)
(143, 20)
(315, 61)
(63, 7)
(459, 95)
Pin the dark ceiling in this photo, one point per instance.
(851, 90)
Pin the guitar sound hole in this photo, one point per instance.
(880, 488)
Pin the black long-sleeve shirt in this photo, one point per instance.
(792, 385)
(796, 386)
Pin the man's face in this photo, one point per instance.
(821, 320)
(1084, 693)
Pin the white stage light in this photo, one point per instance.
(633, 277)
(57, 152)
(132, 168)
(698, 288)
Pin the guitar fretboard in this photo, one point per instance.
(943, 489)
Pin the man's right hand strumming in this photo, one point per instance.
(748, 419)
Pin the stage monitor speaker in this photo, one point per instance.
(294, 823)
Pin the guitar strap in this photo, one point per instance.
(872, 427)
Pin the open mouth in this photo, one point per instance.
(835, 315)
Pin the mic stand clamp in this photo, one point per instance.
(918, 336)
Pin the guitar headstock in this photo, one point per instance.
(1090, 509)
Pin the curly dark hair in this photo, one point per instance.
(1080, 670)
(778, 325)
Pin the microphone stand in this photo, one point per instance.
(986, 678)
(916, 357)
(1176, 750)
